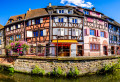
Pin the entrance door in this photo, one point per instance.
(80, 50)
(105, 50)
(112, 50)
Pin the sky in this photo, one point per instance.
(9, 8)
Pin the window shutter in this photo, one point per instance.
(11, 27)
(33, 22)
(79, 20)
(66, 31)
(76, 30)
(66, 11)
(65, 19)
(70, 19)
(59, 32)
(57, 10)
(18, 25)
(98, 33)
(7, 28)
(44, 32)
(56, 19)
(29, 34)
(106, 35)
(62, 31)
(14, 27)
(87, 31)
(29, 22)
(41, 20)
(73, 32)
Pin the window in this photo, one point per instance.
(16, 26)
(114, 38)
(37, 21)
(41, 33)
(102, 34)
(94, 47)
(11, 38)
(92, 32)
(61, 20)
(10, 21)
(7, 28)
(114, 29)
(61, 11)
(86, 12)
(18, 36)
(33, 22)
(35, 33)
(0, 42)
(74, 20)
(70, 11)
(19, 25)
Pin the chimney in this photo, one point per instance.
(29, 9)
(50, 5)
(93, 8)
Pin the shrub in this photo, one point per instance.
(11, 69)
(74, 72)
(57, 72)
(37, 70)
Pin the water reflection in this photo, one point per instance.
(16, 77)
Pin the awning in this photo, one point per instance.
(65, 41)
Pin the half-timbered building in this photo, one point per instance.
(2, 40)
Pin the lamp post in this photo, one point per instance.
(50, 13)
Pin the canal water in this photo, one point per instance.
(17, 77)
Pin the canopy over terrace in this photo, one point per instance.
(64, 46)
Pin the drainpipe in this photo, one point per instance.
(83, 30)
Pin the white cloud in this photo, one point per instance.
(81, 3)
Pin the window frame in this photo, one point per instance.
(94, 47)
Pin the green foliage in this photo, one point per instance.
(57, 72)
(37, 70)
(74, 72)
(11, 69)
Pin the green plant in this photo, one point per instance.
(74, 72)
(57, 72)
(37, 70)
(11, 69)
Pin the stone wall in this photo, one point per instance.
(84, 66)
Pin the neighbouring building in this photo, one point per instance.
(2, 40)
(64, 31)
(114, 36)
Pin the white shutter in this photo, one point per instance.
(41, 20)
(29, 22)
(79, 20)
(55, 31)
(33, 22)
(44, 32)
(76, 30)
(66, 11)
(29, 34)
(70, 19)
(59, 32)
(11, 27)
(62, 31)
(14, 27)
(73, 32)
(7, 28)
(66, 31)
(65, 19)
(18, 25)
(56, 19)
(57, 10)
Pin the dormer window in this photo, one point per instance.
(11, 20)
(19, 18)
(61, 11)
